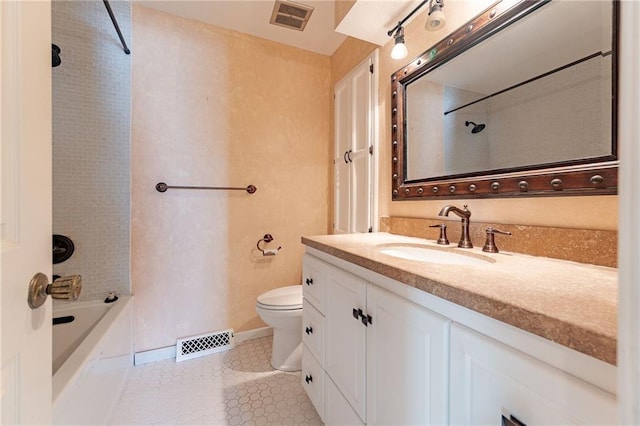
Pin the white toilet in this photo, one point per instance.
(281, 309)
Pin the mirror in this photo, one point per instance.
(518, 101)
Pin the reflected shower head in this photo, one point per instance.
(477, 128)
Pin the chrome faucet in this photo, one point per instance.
(464, 214)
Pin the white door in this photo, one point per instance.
(25, 176)
(342, 144)
(354, 147)
(407, 362)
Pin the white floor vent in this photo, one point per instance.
(204, 344)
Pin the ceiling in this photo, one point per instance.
(367, 20)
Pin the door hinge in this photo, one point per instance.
(371, 229)
(371, 149)
(371, 68)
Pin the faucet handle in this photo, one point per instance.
(490, 245)
(442, 240)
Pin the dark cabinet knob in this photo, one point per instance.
(308, 379)
(309, 281)
(308, 330)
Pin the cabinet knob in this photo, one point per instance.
(309, 281)
(308, 379)
(366, 320)
(308, 330)
(357, 313)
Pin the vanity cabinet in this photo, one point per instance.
(391, 354)
(490, 380)
(385, 358)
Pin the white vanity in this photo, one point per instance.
(513, 339)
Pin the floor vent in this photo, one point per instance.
(204, 344)
(290, 15)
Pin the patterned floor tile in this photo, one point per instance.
(237, 387)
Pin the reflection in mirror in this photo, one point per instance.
(535, 94)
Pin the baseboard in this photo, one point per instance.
(169, 352)
(154, 355)
(256, 333)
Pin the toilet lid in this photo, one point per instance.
(282, 298)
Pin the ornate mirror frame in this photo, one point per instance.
(592, 176)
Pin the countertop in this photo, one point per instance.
(573, 304)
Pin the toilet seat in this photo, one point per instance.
(281, 299)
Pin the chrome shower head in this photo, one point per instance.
(477, 128)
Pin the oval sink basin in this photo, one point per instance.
(432, 255)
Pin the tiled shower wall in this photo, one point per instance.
(91, 143)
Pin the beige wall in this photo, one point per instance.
(218, 108)
(574, 212)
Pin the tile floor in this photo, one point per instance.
(236, 387)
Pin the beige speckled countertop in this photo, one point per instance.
(573, 304)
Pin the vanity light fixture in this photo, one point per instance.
(399, 50)
(436, 19)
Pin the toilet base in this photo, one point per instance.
(286, 353)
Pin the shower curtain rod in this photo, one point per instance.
(115, 24)
(532, 79)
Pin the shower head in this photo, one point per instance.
(477, 128)
(55, 56)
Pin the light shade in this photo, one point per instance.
(436, 20)
(399, 50)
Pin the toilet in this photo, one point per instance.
(281, 309)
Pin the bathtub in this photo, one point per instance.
(92, 356)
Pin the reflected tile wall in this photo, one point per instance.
(92, 143)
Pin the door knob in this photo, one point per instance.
(67, 288)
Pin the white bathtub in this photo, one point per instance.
(92, 356)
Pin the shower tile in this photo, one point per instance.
(237, 387)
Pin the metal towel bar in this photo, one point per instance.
(162, 187)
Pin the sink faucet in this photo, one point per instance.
(464, 214)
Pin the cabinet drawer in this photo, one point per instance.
(313, 285)
(313, 331)
(313, 380)
(490, 380)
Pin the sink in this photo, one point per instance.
(435, 255)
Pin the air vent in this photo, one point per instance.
(204, 344)
(291, 15)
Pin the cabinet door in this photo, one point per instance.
(346, 336)
(490, 380)
(338, 411)
(407, 362)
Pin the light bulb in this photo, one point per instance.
(436, 20)
(399, 50)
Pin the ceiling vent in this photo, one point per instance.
(291, 15)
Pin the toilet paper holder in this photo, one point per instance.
(267, 239)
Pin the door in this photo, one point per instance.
(25, 178)
(407, 362)
(354, 147)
